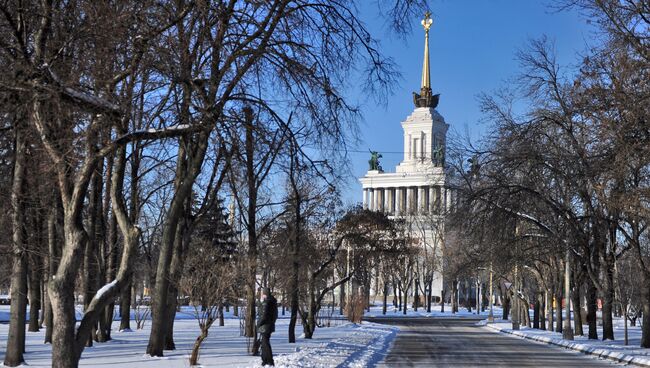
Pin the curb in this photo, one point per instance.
(589, 350)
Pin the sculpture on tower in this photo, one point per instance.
(438, 156)
(426, 98)
(373, 163)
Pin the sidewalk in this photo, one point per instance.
(612, 350)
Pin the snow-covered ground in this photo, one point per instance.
(614, 350)
(345, 345)
(376, 311)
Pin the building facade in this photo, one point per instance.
(416, 190)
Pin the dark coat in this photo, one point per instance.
(268, 315)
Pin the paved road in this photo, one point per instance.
(428, 342)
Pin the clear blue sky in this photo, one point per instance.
(473, 45)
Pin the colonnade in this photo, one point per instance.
(399, 201)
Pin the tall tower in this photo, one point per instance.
(416, 189)
(417, 184)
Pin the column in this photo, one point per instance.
(371, 199)
(422, 147)
(438, 199)
(380, 200)
(422, 200)
(365, 199)
(444, 199)
(432, 200)
(389, 200)
(377, 199)
(407, 204)
(398, 201)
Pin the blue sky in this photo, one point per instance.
(472, 45)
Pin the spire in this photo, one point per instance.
(426, 23)
(425, 98)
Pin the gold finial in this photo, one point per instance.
(426, 23)
(426, 98)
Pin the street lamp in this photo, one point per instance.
(478, 292)
(491, 315)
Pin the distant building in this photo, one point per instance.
(416, 191)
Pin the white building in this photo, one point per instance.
(416, 190)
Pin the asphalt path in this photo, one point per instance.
(446, 342)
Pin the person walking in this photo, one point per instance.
(266, 324)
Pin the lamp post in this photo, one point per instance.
(491, 315)
(478, 293)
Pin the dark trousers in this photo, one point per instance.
(267, 353)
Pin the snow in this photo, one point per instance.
(344, 345)
(376, 311)
(613, 350)
(104, 289)
(80, 95)
(173, 127)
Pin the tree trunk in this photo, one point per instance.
(66, 344)
(536, 313)
(405, 299)
(64, 353)
(429, 295)
(645, 329)
(542, 312)
(53, 254)
(341, 299)
(251, 223)
(506, 306)
(180, 244)
(125, 307)
(310, 325)
(294, 315)
(592, 307)
(18, 309)
(34, 285)
(294, 293)
(41, 321)
(185, 177)
(577, 311)
(109, 249)
(558, 312)
(454, 297)
(608, 321)
(97, 234)
(91, 262)
(608, 302)
(399, 297)
(385, 299)
(416, 296)
(194, 357)
(172, 295)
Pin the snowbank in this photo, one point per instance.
(362, 345)
(376, 311)
(612, 350)
(346, 345)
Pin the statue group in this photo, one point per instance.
(373, 163)
(438, 155)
